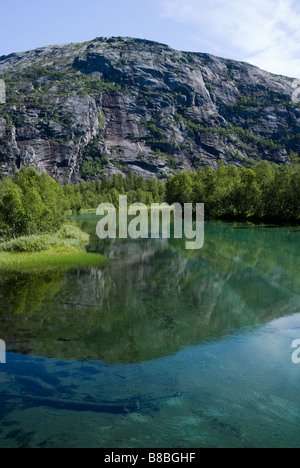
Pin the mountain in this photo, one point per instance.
(119, 105)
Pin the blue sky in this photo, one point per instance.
(263, 32)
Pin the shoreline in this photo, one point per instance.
(63, 250)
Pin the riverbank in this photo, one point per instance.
(63, 250)
(49, 260)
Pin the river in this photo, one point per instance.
(162, 348)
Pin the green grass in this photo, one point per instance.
(88, 211)
(52, 259)
(62, 251)
(68, 236)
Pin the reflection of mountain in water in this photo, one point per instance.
(155, 297)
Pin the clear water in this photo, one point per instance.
(164, 348)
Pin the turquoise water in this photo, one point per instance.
(164, 348)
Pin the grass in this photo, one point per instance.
(88, 211)
(52, 259)
(68, 236)
(62, 251)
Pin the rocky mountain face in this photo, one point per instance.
(119, 105)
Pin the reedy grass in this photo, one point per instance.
(52, 259)
(67, 236)
(62, 251)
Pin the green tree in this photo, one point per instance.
(247, 195)
(12, 213)
(293, 158)
(179, 189)
(31, 203)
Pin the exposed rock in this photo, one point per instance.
(2, 92)
(118, 105)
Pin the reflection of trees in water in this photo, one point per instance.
(156, 297)
(26, 293)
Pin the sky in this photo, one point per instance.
(265, 33)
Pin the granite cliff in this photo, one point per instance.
(119, 105)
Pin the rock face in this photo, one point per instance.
(2, 92)
(119, 105)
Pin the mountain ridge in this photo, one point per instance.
(139, 40)
(118, 105)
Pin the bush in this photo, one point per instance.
(73, 236)
(31, 204)
(31, 244)
(68, 236)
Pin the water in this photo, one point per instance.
(163, 348)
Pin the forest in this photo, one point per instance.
(32, 204)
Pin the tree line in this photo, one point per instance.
(266, 192)
(31, 203)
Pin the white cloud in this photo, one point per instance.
(263, 32)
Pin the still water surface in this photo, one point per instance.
(162, 348)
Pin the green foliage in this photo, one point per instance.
(93, 166)
(31, 204)
(12, 211)
(35, 72)
(264, 192)
(100, 120)
(243, 135)
(31, 86)
(68, 236)
(294, 158)
(93, 85)
(159, 154)
(155, 133)
(210, 87)
(52, 260)
(245, 102)
(31, 243)
(257, 101)
(88, 195)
